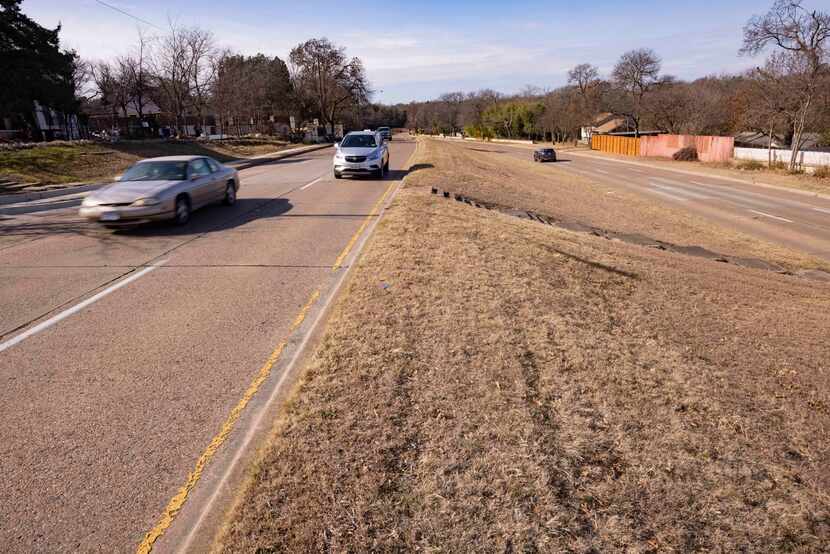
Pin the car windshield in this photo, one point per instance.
(156, 171)
(359, 141)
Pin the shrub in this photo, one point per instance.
(687, 154)
(750, 165)
(822, 172)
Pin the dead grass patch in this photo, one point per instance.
(488, 384)
(69, 163)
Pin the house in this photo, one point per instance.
(49, 124)
(611, 124)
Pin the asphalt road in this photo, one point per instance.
(104, 413)
(792, 219)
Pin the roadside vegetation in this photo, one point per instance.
(48, 164)
(491, 384)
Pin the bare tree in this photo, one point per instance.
(584, 76)
(112, 88)
(325, 78)
(200, 48)
(135, 68)
(802, 35)
(172, 69)
(638, 73)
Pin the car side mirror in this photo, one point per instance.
(194, 177)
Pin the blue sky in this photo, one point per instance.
(416, 50)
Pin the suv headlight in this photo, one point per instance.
(374, 155)
(147, 202)
(88, 201)
(339, 156)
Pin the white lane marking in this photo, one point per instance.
(822, 210)
(601, 171)
(772, 216)
(317, 180)
(76, 308)
(668, 194)
(681, 192)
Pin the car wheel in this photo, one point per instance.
(230, 195)
(338, 175)
(182, 214)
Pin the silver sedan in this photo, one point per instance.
(167, 188)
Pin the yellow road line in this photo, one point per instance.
(339, 261)
(176, 503)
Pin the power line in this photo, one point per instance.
(128, 14)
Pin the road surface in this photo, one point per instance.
(123, 354)
(799, 221)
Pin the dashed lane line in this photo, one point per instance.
(784, 219)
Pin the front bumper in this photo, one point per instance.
(126, 215)
(356, 168)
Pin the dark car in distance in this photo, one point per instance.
(544, 155)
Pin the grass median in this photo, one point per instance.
(490, 384)
(68, 163)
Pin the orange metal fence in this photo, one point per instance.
(626, 146)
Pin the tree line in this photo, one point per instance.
(183, 74)
(788, 96)
(187, 76)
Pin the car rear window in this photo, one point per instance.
(359, 141)
(156, 171)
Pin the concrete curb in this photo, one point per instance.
(32, 197)
(41, 195)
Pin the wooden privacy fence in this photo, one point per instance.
(626, 146)
(709, 149)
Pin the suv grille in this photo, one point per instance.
(355, 159)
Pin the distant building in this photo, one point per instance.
(49, 124)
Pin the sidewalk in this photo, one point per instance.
(70, 196)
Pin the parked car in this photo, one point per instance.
(167, 188)
(386, 132)
(544, 155)
(361, 153)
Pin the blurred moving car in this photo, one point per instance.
(386, 132)
(361, 153)
(167, 188)
(544, 155)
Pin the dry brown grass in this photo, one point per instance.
(488, 384)
(519, 183)
(69, 163)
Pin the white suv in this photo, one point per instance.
(361, 153)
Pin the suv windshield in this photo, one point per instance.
(359, 141)
(156, 171)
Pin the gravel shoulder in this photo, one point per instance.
(488, 384)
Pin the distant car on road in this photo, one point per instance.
(167, 188)
(386, 132)
(361, 153)
(544, 155)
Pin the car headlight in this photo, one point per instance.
(147, 202)
(339, 156)
(374, 155)
(88, 201)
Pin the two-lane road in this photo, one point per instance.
(136, 346)
(790, 218)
